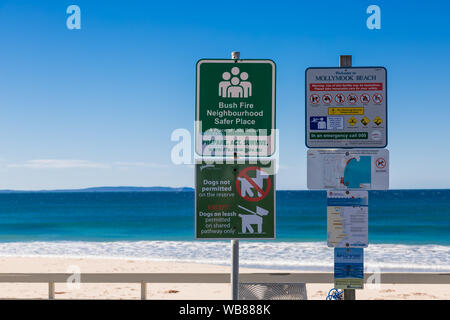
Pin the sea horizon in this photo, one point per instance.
(163, 189)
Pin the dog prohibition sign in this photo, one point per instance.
(254, 190)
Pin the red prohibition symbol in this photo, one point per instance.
(315, 99)
(327, 99)
(340, 98)
(377, 98)
(380, 163)
(365, 98)
(244, 179)
(352, 98)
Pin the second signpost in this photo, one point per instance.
(346, 109)
(235, 146)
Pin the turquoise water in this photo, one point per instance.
(395, 216)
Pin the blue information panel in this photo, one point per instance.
(326, 123)
(349, 268)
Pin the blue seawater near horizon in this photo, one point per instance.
(414, 225)
(395, 216)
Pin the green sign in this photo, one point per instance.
(235, 201)
(235, 107)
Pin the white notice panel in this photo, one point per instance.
(346, 107)
(347, 219)
(366, 169)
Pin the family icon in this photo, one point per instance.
(235, 84)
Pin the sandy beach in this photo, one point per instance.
(167, 291)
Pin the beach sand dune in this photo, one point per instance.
(169, 290)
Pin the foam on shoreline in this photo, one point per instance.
(301, 256)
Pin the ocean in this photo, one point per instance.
(409, 230)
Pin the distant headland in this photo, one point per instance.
(111, 189)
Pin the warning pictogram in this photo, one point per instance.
(253, 189)
(377, 98)
(352, 121)
(352, 98)
(380, 163)
(340, 98)
(327, 98)
(365, 121)
(377, 121)
(365, 98)
(315, 99)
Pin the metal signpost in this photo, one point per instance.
(235, 121)
(346, 108)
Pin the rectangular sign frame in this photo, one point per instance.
(347, 219)
(344, 169)
(346, 261)
(349, 125)
(247, 208)
(231, 144)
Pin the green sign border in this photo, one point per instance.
(273, 164)
(197, 102)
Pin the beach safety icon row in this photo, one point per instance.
(340, 98)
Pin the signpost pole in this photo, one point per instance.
(235, 270)
(235, 55)
(346, 61)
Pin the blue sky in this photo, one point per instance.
(97, 106)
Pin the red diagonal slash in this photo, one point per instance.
(253, 183)
(244, 174)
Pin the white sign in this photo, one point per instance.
(347, 219)
(366, 169)
(346, 107)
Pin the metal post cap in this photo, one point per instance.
(345, 61)
(235, 55)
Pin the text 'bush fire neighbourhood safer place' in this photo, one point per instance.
(235, 108)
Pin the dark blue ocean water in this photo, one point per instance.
(395, 216)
